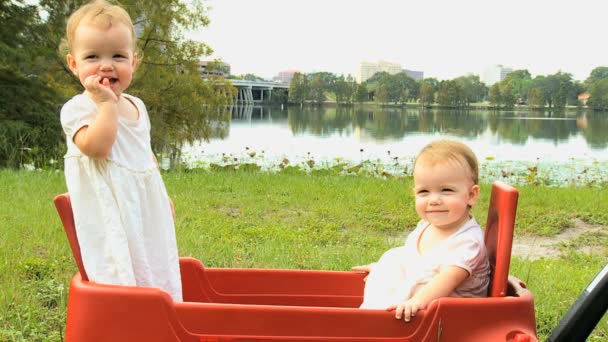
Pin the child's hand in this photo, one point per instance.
(363, 269)
(407, 309)
(99, 89)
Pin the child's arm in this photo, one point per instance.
(442, 285)
(96, 140)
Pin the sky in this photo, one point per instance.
(443, 38)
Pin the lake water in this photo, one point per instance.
(572, 141)
(354, 134)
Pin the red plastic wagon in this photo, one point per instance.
(231, 304)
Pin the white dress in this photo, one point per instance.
(121, 208)
(402, 271)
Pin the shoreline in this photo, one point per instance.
(416, 105)
(574, 172)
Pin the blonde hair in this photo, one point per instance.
(454, 151)
(100, 13)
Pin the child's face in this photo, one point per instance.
(103, 53)
(443, 191)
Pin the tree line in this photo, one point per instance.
(554, 91)
(35, 80)
(551, 91)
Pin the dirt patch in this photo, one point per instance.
(536, 247)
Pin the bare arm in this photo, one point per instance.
(442, 285)
(96, 140)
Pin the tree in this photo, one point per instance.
(473, 90)
(279, 96)
(520, 82)
(405, 95)
(576, 89)
(450, 94)
(342, 90)
(565, 86)
(29, 122)
(352, 88)
(30, 132)
(561, 98)
(506, 95)
(298, 88)
(395, 85)
(494, 95)
(427, 93)
(555, 88)
(404, 85)
(317, 88)
(433, 82)
(361, 94)
(536, 99)
(596, 75)
(540, 82)
(414, 88)
(598, 95)
(378, 79)
(382, 95)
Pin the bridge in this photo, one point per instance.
(250, 92)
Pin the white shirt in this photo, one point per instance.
(121, 208)
(402, 271)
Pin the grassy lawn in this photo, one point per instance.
(285, 220)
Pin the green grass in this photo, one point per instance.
(284, 220)
(556, 283)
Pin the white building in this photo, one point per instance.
(495, 74)
(368, 69)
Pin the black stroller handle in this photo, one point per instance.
(583, 316)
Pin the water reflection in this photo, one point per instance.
(595, 129)
(337, 132)
(251, 112)
(514, 127)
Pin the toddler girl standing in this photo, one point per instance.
(122, 212)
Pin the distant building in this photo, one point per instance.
(368, 69)
(285, 76)
(213, 68)
(495, 74)
(583, 98)
(417, 75)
